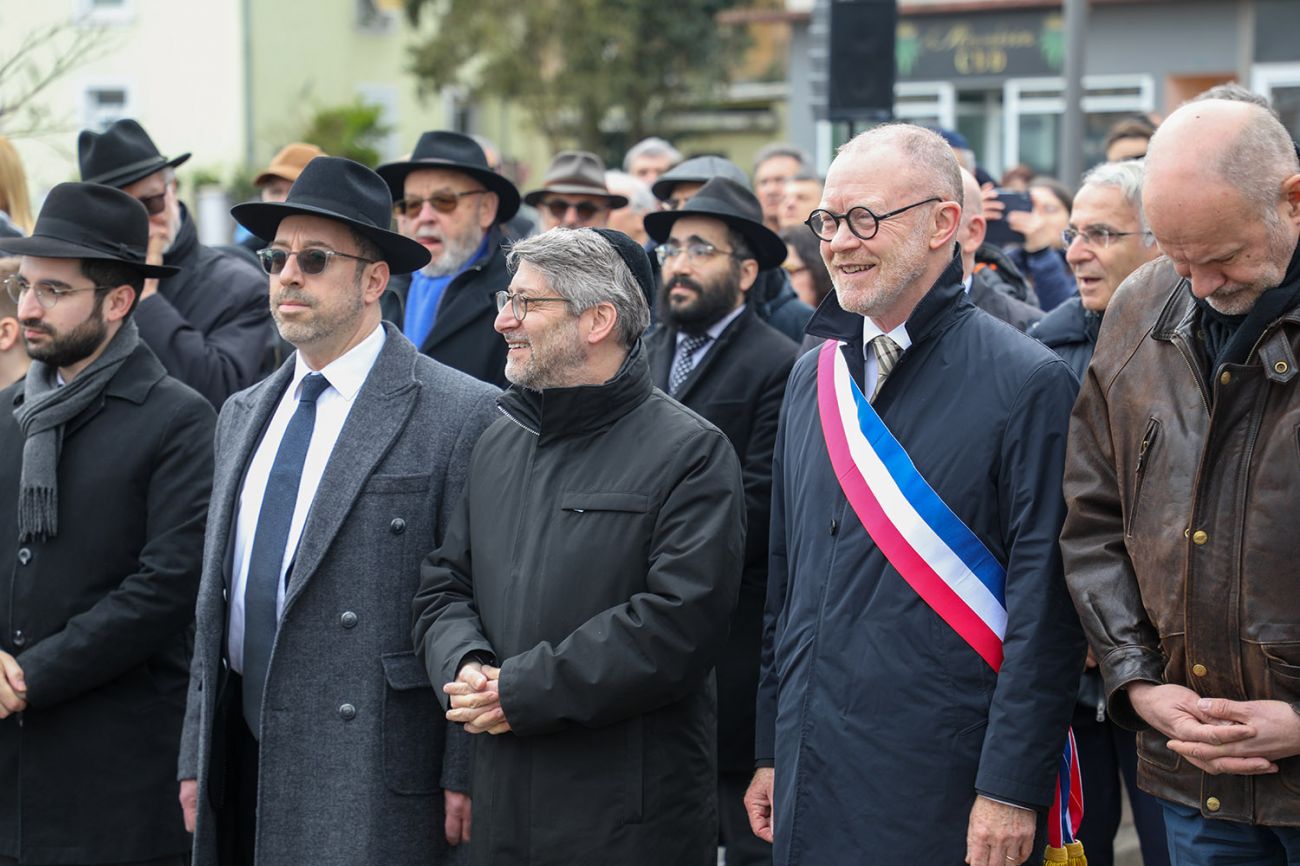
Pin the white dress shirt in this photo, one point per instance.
(345, 376)
(870, 330)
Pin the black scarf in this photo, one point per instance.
(1229, 339)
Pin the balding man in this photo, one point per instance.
(1180, 545)
(914, 700)
(984, 285)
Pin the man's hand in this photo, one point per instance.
(456, 807)
(1175, 711)
(994, 207)
(159, 239)
(476, 700)
(1037, 231)
(13, 687)
(189, 802)
(999, 834)
(1276, 736)
(758, 803)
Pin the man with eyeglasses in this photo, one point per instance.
(105, 471)
(573, 193)
(312, 733)
(1181, 546)
(209, 323)
(920, 650)
(580, 599)
(447, 199)
(712, 353)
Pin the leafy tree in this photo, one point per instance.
(599, 72)
(353, 130)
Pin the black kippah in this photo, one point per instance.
(634, 257)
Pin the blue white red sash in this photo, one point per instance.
(925, 541)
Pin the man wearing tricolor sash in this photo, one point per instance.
(920, 650)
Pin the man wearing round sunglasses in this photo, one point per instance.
(447, 199)
(105, 471)
(888, 722)
(209, 324)
(573, 192)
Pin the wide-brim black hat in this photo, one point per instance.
(344, 191)
(90, 221)
(120, 155)
(724, 199)
(456, 152)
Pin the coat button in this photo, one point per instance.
(1199, 670)
(20, 639)
(1281, 367)
(24, 555)
(1212, 804)
(398, 526)
(348, 619)
(1225, 377)
(1200, 536)
(347, 712)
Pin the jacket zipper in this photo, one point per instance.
(1139, 473)
(519, 423)
(1191, 368)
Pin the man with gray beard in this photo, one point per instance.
(448, 199)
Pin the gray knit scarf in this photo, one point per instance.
(46, 407)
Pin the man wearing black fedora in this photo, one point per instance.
(209, 323)
(716, 356)
(573, 193)
(105, 469)
(446, 198)
(312, 733)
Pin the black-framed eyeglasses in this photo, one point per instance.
(1097, 237)
(585, 210)
(47, 295)
(443, 201)
(311, 261)
(697, 252)
(862, 221)
(519, 303)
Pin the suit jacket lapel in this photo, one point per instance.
(377, 418)
(661, 346)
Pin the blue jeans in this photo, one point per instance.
(1198, 841)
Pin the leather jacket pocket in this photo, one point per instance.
(1284, 685)
(411, 728)
(1149, 439)
(1152, 749)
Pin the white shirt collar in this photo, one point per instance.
(346, 373)
(870, 330)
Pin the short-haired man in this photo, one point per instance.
(581, 597)
(104, 481)
(985, 286)
(649, 158)
(573, 193)
(629, 219)
(208, 323)
(714, 355)
(1180, 544)
(676, 186)
(920, 649)
(312, 734)
(447, 199)
(1127, 139)
(774, 165)
(13, 351)
(803, 193)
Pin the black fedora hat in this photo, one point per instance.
(120, 155)
(90, 221)
(344, 191)
(724, 199)
(451, 150)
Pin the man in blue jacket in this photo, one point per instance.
(915, 697)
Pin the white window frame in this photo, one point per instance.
(385, 96)
(126, 85)
(91, 14)
(1264, 77)
(944, 104)
(1014, 104)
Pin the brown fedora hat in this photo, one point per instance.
(289, 162)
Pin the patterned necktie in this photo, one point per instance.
(269, 541)
(887, 355)
(685, 361)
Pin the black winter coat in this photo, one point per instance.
(1071, 332)
(596, 555)
(98, 618)
(462, 336)
(987, 292)
(210, 325)
(738, 386)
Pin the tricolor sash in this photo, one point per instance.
(926, 542)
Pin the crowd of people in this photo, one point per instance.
(891, 515)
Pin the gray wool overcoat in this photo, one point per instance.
(354, 747)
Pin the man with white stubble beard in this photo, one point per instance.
(446, 197)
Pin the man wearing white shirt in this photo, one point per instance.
(312, 733)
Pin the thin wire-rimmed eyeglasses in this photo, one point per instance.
(862, 221)
(519, 303)
(1097, 238)
(46, 295)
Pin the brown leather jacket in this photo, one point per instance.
(1182, 544)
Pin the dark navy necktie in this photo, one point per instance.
(269, 542)
(685, 361)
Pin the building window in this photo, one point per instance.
(103, 104)
(1280, 82)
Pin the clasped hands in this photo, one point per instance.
(13, 687)
(476, 699)
(1216, 734)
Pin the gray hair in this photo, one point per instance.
(1234, 92)
(586, 270)
(639, 196)
(1127, 177)
(927, 150)
(652, 146)
(781, 148)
